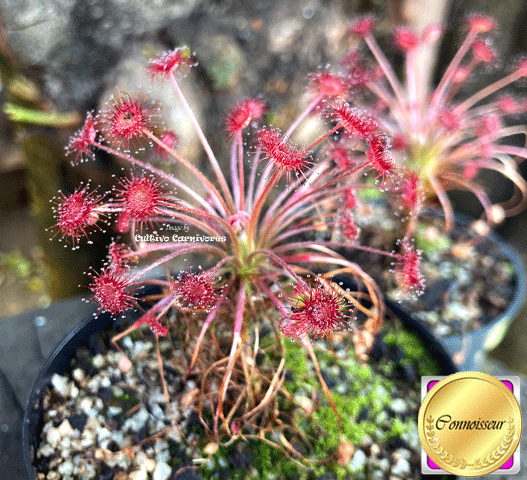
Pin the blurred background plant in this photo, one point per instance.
(443, 141)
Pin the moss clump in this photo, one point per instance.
(355, 389)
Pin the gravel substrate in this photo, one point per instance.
(105, 423)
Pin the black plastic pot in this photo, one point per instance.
(59, 362)
(474, 344)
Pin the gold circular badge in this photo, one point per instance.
(470, 424)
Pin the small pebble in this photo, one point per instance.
(66, 468)
(128, 343)
(140, 458)
(78, 375)
(163, 457)
(106, 382)
(65, 429)
(162, 471)
(401, 453)
(377, 475)
(87, 439)
(398, 405)
(125, 365)
(359, 459)
(138, 475)
(103, 434)
(46, 450)
(86, 404)
(65, 445)
(150, 465)
(92, 424)
(98, 361)
(443, 330)
(157, 411)
(375, 450)
(60, 385)
(114, 411)
(74, 391)
(384, 464)
(366, 441)
(53, 437)
(401, 468)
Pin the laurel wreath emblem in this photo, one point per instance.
(490, 459)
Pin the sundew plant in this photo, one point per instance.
(265, 273)
(443, 139)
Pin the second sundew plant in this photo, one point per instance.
(445, 140)
(254, 225)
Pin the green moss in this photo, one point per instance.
(440, 243)
(424, 363)
(398, 427)
(295, 358)
(136, 335)
(370, 194)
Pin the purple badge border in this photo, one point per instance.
(507, 465)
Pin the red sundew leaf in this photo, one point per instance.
(399, 142)
(329, 84)
(118, 257)
(141, 199)
(348, 226)
(342, 157)
(286, 158)
(110, 292)
(363, 25)
(355, 121)
(483, 51)
(81, 144)
(315, 311)
(449, 119)
(350, 198)
(243, 114)
(470, 170)
(488, 125)
(409, 269)
(411, 192)
(405, 39)
(170, 139)
(196, 290)
(154, 324)
(127, 119)
(508, 104)
(168, 62)
(379, 157)
(77, 212)
(481, 23)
